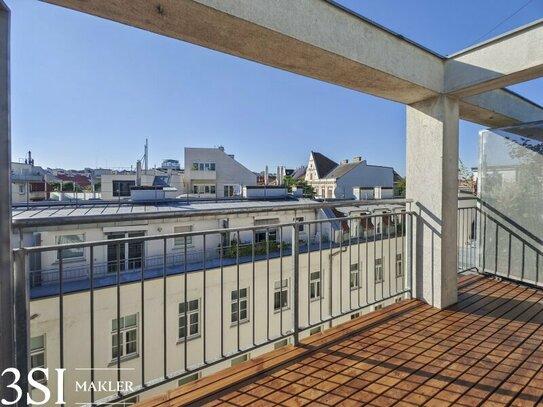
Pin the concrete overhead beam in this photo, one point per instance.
(317, 39)
(505, 60)
(499, 108)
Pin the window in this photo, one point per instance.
(192, 311)
(203, 166)
(180, 241)
(316, 330)
(354, 276)
(229, 190)
(126, 402)
(70, 253)
(399, 265)
(300, 227)
(280, 295)
(355, 315)
(122, 188)
(21, 188)
(378, 307)
(260, 236)
(203, 189)
(124, 256)
(243, 305)
(379, 277)
(124, 336)
(37, 357)
(280, 344)
(187, 379)
(240, 359)
(315, 285)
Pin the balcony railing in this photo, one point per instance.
(155, 319)
(492, 243)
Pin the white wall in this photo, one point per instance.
(228, 171)
(363, 175)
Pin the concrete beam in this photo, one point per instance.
(432, 168)
(317, 39)
(499, 108)
(514, 57)
(7, 321)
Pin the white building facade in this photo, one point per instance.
(348, 180)
(210, 172)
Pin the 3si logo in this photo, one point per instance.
(36, 385)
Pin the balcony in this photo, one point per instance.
(314, 288)
(485, 350)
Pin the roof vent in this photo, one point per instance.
(357, 159)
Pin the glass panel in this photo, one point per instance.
(37, 342)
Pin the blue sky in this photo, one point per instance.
(87, 92)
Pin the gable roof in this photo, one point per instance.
(299, 173)
(323, 164)
(342, 169)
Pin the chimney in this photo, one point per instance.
(266, 176)
(344, 162)
(138, 173)
(221, 148)
(357, 159)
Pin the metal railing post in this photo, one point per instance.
(409, 252)
(296, 281)
(22, 320)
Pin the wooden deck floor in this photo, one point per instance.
(486, 350)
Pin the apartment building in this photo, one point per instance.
(210, 294)
(212, 173)
(29, 181)
(348, 180)
(118, 185)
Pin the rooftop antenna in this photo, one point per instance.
(146, 155)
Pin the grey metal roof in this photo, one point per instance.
(106, 209)
(342, 169)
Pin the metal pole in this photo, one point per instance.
(22, 321)
(7, 343)
(296, 283)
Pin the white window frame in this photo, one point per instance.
(190, 313)
(399, 265)
(36, 351)
(204, 166)
(180, 241)
(234, 305)
(78, 254)
(229, 187)
(354, 272)
(22, 189)
(379, 270)
(315, 285)
(278, 289)
(124, 331)
(204, 188)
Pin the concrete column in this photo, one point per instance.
(7, 351)
(432, 182)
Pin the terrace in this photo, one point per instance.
(486, 349)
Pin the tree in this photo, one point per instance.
(399, 187)
(309, 191)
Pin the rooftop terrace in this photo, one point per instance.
(486, 349)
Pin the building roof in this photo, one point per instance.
(299, 173)
(65, 213)
(341, 170)
(323, 164)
